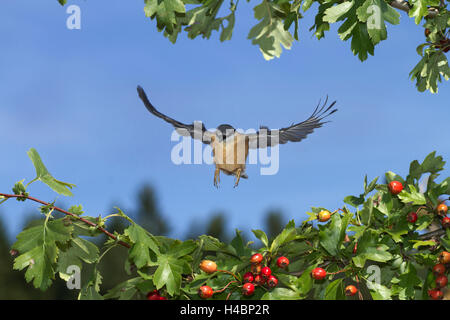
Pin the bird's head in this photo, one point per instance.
(224, 131)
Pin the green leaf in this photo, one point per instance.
(125, 290)
(419, 9)
(269, 34)
(335, 290)
(374, 13)
(305, 281)
(288, 234)
(168, 274)
(420, 243)
(379, 291)
(334, 13)
(261, 235)
(91, 290)
(180, 249)
(62, 2)
(370, 249)
(354, 201)
(430, 70)
(76, 210)
(39, 252)
(78, 251)
(413, 196)
(228, 31)
(143, 243)
(281, 294)
(40, 267)
(165, 13)
(43, 175)
(332, 234)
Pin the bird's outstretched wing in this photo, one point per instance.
(296, 132)
(195, 130)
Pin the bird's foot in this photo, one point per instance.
(216, 179)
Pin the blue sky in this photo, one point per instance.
(71, 94)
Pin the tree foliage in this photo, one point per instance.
(370, 244)
(362, 23)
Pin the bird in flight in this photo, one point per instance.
(230, 148)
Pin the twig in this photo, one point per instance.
(109, 234)
(405, 6)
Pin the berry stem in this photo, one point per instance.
(229, 272)
(223, 289)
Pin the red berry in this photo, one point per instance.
(248, 289)
(395, 187)
(446, 222)
(272, 281)
(256, 258)
(439, 269)
(350, 290)
(355, 248)
(208, 266)
(248, 277)
(205, 292)
(427, 32)
(318, 273)
(13, 252)
(441, 281)
(412, 217)
(442, 209)
(162, 298)
(282, 262)
(444, 257)
(153, 295)
(266, 272)
(256, 268)
(259, 280)
(436, 294)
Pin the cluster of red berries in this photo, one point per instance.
(154, 295)
(441, 279)
(395, 187)
(320, 274)
(260, 275)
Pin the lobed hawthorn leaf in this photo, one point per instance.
(413, 196)
(78, 251)
(269, 34)
(165, 13)
(374, 13)
(43, 175)
(39, 252)
(430, 70)
(143, 244)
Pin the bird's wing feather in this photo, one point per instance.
(295, 132)
(198, 131)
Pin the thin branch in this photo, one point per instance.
(432, 234)
(404, 6)
(109, 234)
